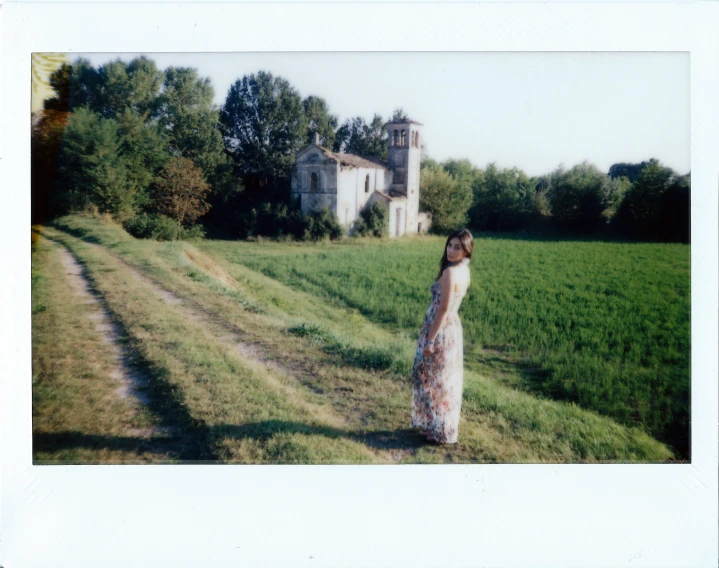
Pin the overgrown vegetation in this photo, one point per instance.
(372, 221)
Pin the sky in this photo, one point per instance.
(531, 110)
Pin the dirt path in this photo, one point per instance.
(133, 384)
(252, 353)
(256, 355)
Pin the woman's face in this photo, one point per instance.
(455, 252)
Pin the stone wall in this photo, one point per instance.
(325, 192)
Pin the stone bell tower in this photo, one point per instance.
(404, 145)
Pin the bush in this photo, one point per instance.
(146, 226)
(372, 221)
(193, 232)
(321, 224)
(278, 222)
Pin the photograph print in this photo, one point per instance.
(361, 258)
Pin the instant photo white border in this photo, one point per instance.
(450, 515)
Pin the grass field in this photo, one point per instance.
(296, 353)
(606, 325)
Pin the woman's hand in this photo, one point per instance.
(428, 349)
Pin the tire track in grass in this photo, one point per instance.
(251, 354)
(260, 359)
(134, 384)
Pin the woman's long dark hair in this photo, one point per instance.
(467, 242)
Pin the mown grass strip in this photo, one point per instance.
(77, 413)
(227, 401)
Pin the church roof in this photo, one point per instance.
(352, 160)
(391, 196)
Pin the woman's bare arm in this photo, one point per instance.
(446, 282)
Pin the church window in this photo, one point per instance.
(314, 184)
(395, 138)
(366, 184)
(404, 138)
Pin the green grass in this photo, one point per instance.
(77, 415)
(605, 325)
(343, 393)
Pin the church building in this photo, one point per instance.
(346, 183)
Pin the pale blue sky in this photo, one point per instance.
(533, 110)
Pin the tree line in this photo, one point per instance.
(647, 201)
(150, 148)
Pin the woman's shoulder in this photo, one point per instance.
(459, 269)
(459, 273)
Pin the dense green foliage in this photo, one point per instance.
(108, 162)
(502, 199)
(579, 196)
(657, 206)
(264, 125)
(147, 226)
(319, 120)
(446, 199)
(372, 221)
(278, 221)
(606, 325)
(356, 136)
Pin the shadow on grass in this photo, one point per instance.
(341, 354)
(163, 401)
(77, 232)
(184, 449)
(406, 439)
(175, 447)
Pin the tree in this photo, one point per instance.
(92, 170)
(463, 171)
(180, 192)
(142, 149)
(319, 120)
(190, 119)
(675, 212)
(47, 132)
(357, 137)
(264, 125)
(649, 210)
(502, 199)
(75, 85)
(579, 196)
(618, 188)
(627, 170)
(134, 85)
(444, 198)
(399, 114)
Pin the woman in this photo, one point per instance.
(438, 365)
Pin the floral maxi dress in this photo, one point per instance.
(437, 379)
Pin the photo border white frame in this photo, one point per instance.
(449, 515)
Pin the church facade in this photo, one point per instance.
(346, 183)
